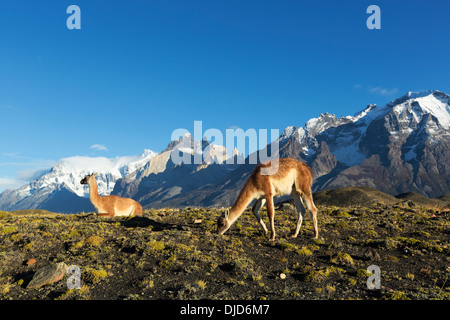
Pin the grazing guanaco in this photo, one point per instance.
(110, 206)
(293, 177)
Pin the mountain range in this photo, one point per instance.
(59, 189)
(397, 148)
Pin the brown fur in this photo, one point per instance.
(293, 177)
(110, 206)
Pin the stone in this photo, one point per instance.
(48, 275)
(30, 262)
(371, 255)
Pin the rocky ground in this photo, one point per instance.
(175, 254)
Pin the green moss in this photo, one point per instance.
(6, 230)
(387, 243)
(156, 245)
(73, 234)
(351, 239)
(422, 234)
(391, 258)
(395, 295)
(362, 273)
(319, 241)
(179, 247)
(318, 275)
(304, 251)
(201, 284)
(244, 264)
(313, 247)
(147, 283)
(4, 214)
(340, 213)
(29, 246)
(94, 276)
(94, 241)
(371, 233)
(342, 258)
(90, 254)
(169, 262)
(76, 245)
(288, 246)
(315, 275)
(390, 243)
(16, 237)
(437, 248)
(4, 288)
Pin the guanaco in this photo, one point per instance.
(110, 206)
(293, 177)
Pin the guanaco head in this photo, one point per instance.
(222, 223)
(86, 179)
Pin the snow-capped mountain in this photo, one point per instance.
(400, 147)
(347, 136)
(182, 167)
(64, 179)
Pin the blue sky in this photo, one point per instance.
(137, 70)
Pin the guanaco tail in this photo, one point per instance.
(293, 177)
(110, 206)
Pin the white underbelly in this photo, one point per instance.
(100, 210)
(125, 212)
(284, 186)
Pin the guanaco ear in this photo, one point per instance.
(94, 174)
(227, 212)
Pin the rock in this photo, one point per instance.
(371, 255)
(197, 221)
(30, 262)
(286, 206)
(48, 275)
(282, 276)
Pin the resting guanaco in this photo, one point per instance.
(110, 206)
(293, 177)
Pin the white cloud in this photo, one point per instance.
(385, 92)
(31, 174)
(10, 183)
(99, 164)
(17, 170)
(100, 147)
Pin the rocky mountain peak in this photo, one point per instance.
(403, 146)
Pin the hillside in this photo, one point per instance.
(175, 254)
(367, 196)
(362, 196)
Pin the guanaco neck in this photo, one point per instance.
(246, 196)
(93, 191)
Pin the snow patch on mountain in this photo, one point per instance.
(69, 171)
(433, 102)
(344, 134)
